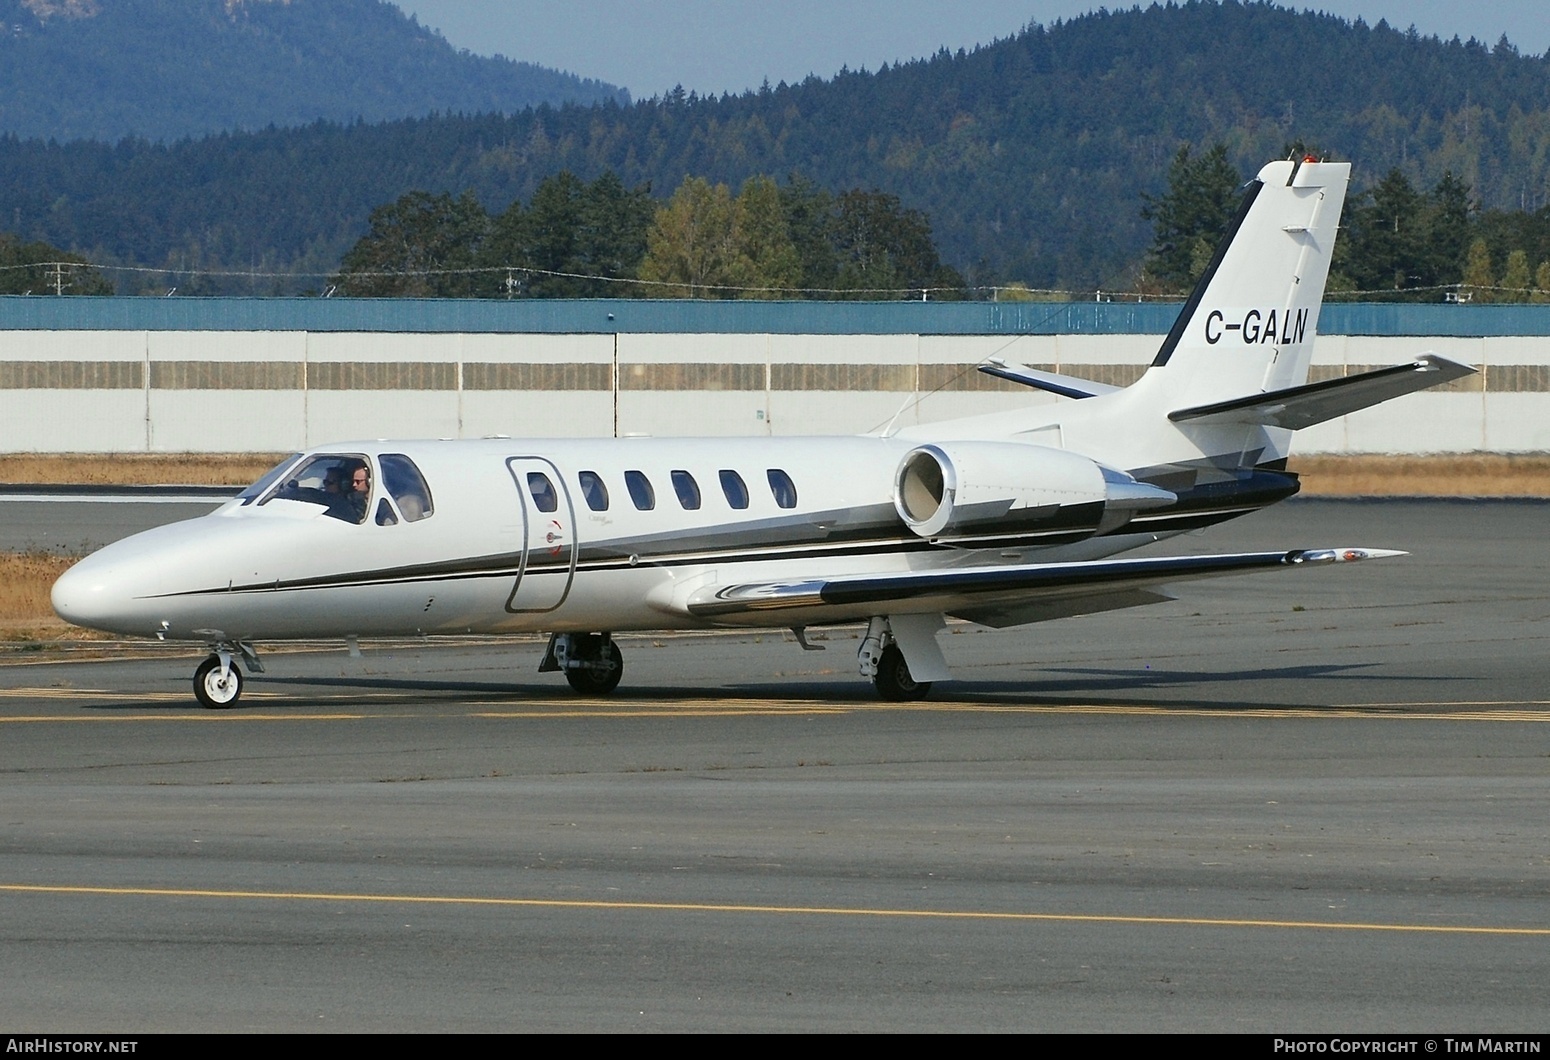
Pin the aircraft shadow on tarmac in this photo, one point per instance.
(1067, 686)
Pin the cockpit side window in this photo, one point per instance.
(404, 481)
(340, 482)
(253, 492)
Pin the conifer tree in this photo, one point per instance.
(421, 245)
(38, 268)
(768, 259)
(1192, 217)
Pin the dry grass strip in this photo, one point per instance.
(25, 612)
(136, 469)
(1471, 475)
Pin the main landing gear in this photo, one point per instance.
(893, 681)
(884, 663)
(591, 662)
(218, 680)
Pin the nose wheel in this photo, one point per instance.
(217, 683)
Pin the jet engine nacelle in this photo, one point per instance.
(973, 489)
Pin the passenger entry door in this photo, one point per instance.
(548, 538)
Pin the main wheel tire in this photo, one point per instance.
(893, 678)
(213, 691)
(590, 682)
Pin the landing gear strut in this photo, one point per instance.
(218, 680)
(884, 663)
(591, 662)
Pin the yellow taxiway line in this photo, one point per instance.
(349, 706)
(771, 910)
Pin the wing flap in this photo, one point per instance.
(1059, 589)
(1051, 608)
(1303, 406)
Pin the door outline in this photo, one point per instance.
(534, 523)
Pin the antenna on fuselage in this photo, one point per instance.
(888, 427)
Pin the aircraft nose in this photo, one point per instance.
(93, 595)
(79, 593)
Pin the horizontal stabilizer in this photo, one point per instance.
(1059, 588)
(1064, 385)
(1303, 406)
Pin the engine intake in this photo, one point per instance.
(960, 490)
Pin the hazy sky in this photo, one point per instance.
(712, 46)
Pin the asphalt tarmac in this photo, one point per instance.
(1311, 801)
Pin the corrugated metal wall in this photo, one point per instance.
(685, 317)
(183, 374)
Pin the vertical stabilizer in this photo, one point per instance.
(1249, 325)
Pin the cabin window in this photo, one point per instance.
(545, 499)
(340, 482)
(593, 489)
(269, 478)
(404, 481)
(737, 493)
(687, 489)
(783, 489)
(641, 493)
(385, 516)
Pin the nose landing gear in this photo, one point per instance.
(217, 683)
(218, 680)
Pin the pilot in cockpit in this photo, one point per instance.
(360, 491)
(346, 490)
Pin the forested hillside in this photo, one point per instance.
(1029, 156)
(163, 69)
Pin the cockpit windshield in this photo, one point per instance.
(249, 495)
(341, 482)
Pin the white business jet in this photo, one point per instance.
(1002, 520)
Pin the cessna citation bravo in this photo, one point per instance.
(1002, 519)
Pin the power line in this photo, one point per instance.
(56, 279)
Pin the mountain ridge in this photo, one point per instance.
(170, 69)
(1030, 155)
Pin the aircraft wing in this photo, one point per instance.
(1000, 596)
(1303, 406)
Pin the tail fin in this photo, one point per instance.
(1248, 327)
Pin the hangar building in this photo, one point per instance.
(110, 375)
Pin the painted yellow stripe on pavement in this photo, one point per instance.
(773, 910)
(103, 693)
(1506, 710)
